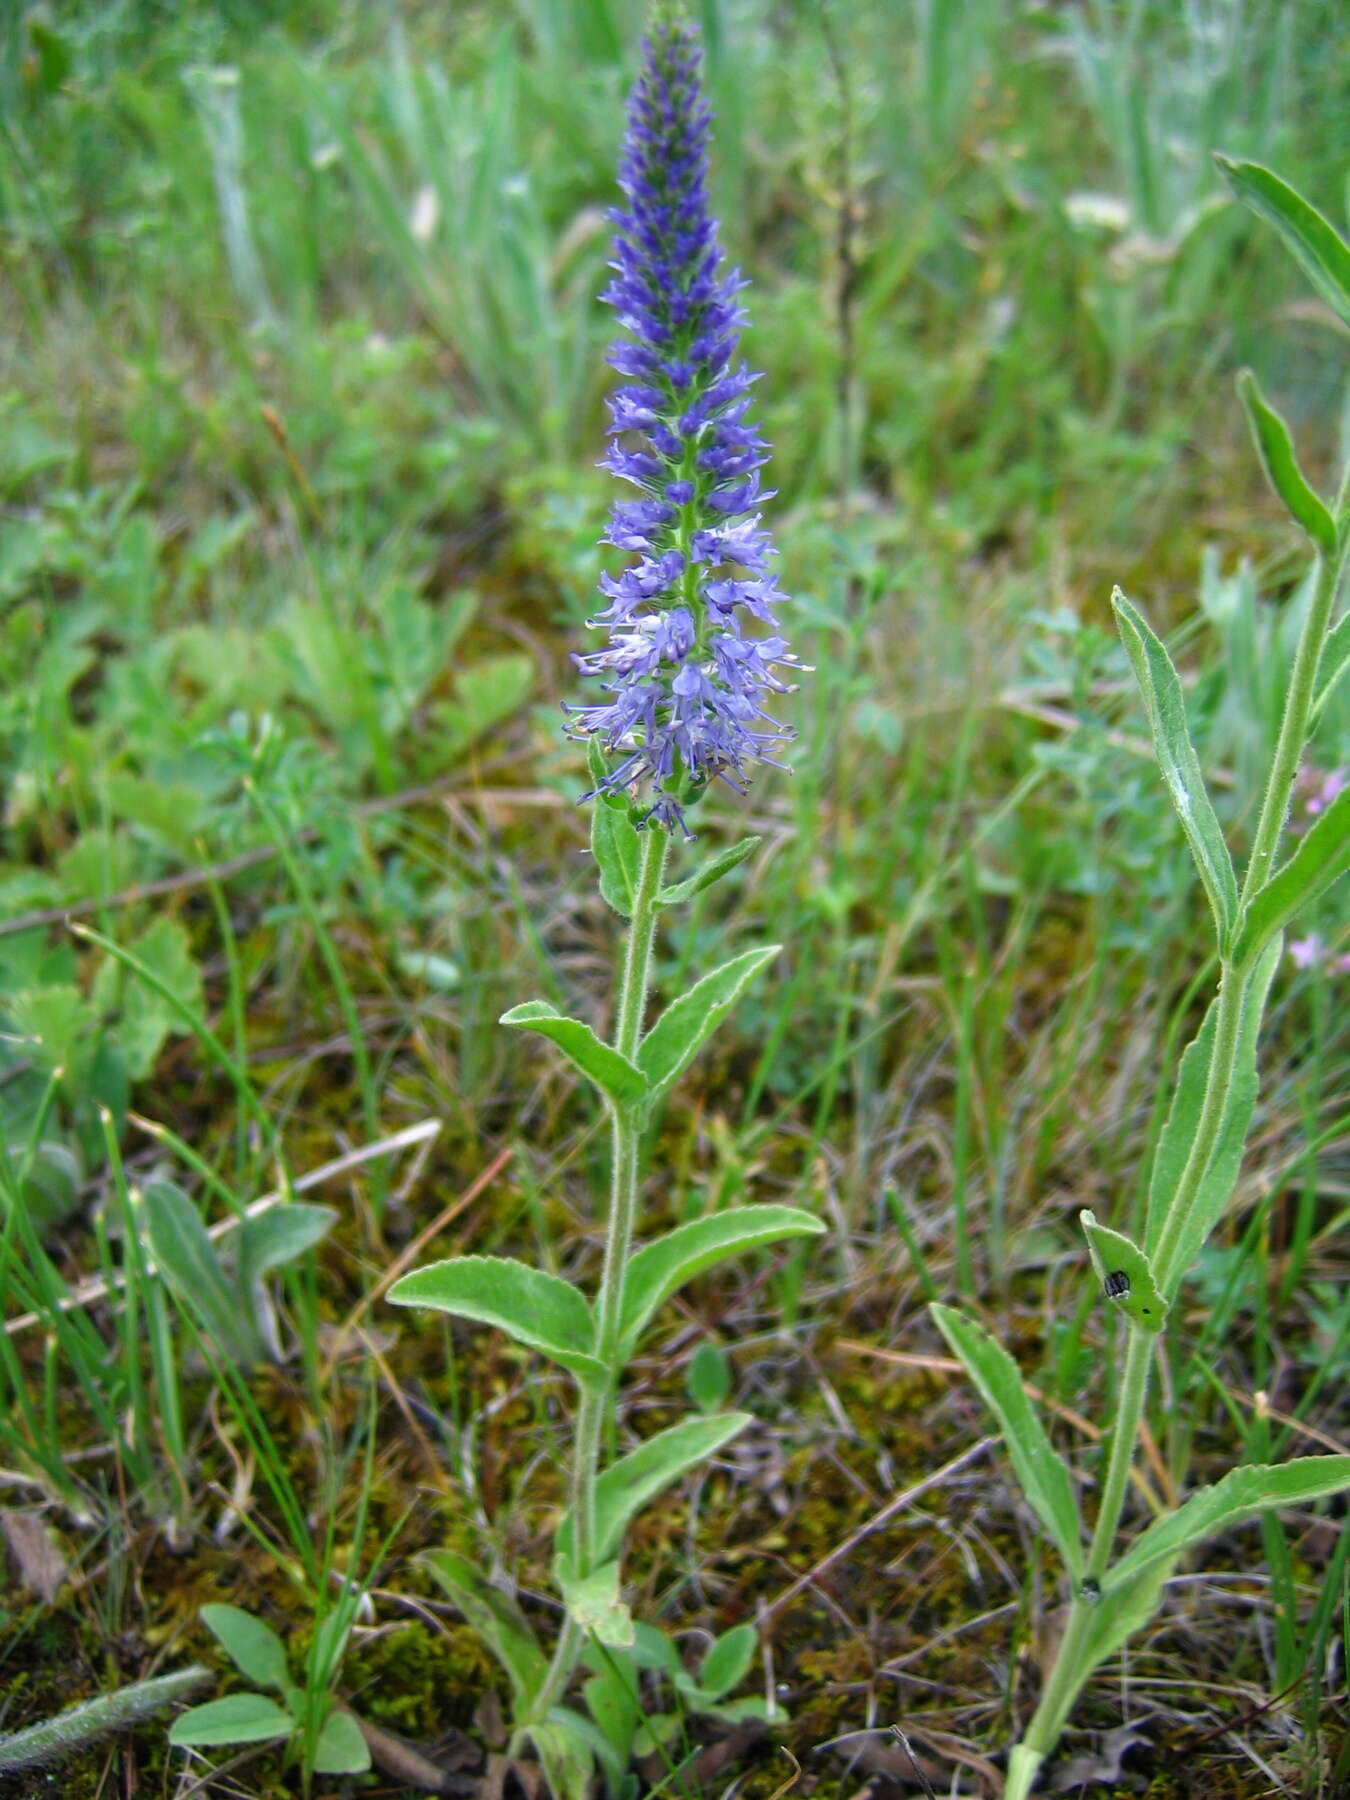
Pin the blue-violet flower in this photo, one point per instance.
(686, 684)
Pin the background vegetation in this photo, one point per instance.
(300, 402)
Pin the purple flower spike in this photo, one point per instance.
(686, 687)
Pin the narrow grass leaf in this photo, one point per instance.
(627, 1485)
(1178, 1134)
(686, 1025)
(1113, 1256)
(1321, 859)
(237, 1719)
(1161, 690)
(1241, 1492)
(341, 1749)
(254, 1648)
(713, 870)
(1319, 249)
(497, 1620)
(1276, 450)
(539, 1310)
(1044, 1478)
(612, 1073)
(661, 1267)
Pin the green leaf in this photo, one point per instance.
(1319, 249)
(187, 1259)
(1320, 860)
(593, 1602)
(658, 1269)
(1241, 1492)
(149, 1009)
(1178, 1134)
(278, 1236)
(678, 1035)
(727, 1661)
(497, 1620)
(1180, 766)
(604, 1749)
(537, 1309)
(1044, 1478)
(1332, 664)
(1126, 1606)
(616, 843)
(566, 1755)
(341, 1749)
(627, 1485)
(713, 870)
(1276, 450)
(254, 1648)
(1114, 1255)
(612, 1701)
(612, 1073)
(708, 1377)
(237, 1719)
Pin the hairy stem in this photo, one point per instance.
(68, 1730)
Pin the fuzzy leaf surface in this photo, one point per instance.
(661, 1267)
(1044, 1478)
(1241, 1492)
(1320, 860)
(1318, 248)
(281, 1234)
(187, 1259)
(1113, 1253)
(537, 1309)
(1276, 450)
(713, 870)
(1178, 1134)
(1166, 708)
(601, 1063)
(687, 1023)
(1331, 665)
(616, 843)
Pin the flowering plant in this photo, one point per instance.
(686, 685)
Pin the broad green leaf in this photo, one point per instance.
(187, 1259)
(727, 1661)
(1316, 245)
(341, 1749)
(1332, 664)
(1241, 1492)
(497, 1620)
(616, 843)
(1178, 1134)
(627, 1485)
(708, 1377)
(713, 870)
(1044, 1478)
(1276, 450)
(537, 1309)
(278, 1236)
(1180, 766)
(1320, 860)
(237, 1719)
(1114, 1255)
(686, 1024)
(611, 1072)
(254, 1648)
(593, 1602)
(658, 1269)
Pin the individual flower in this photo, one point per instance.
(687, 684)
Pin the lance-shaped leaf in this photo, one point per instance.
(1044, 1478)
(187, 1259)
(1331, 665)
(1215, 1187)
(1321, 859)
(615, 842)
(497, 1620)
(237, 1719)
(537, 1309)
(1241, 1492)
(1180, 765)
(1276, 450)
(611, 1072)
(254, 1648)
(1125, 1274)
(280, 1235)
(627, 1485)
(713, 870)
(658, 1269)
(678, 1035)
(1319, 249)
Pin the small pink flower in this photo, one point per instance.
(1307, 952)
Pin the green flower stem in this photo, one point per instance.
(626, 1137)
